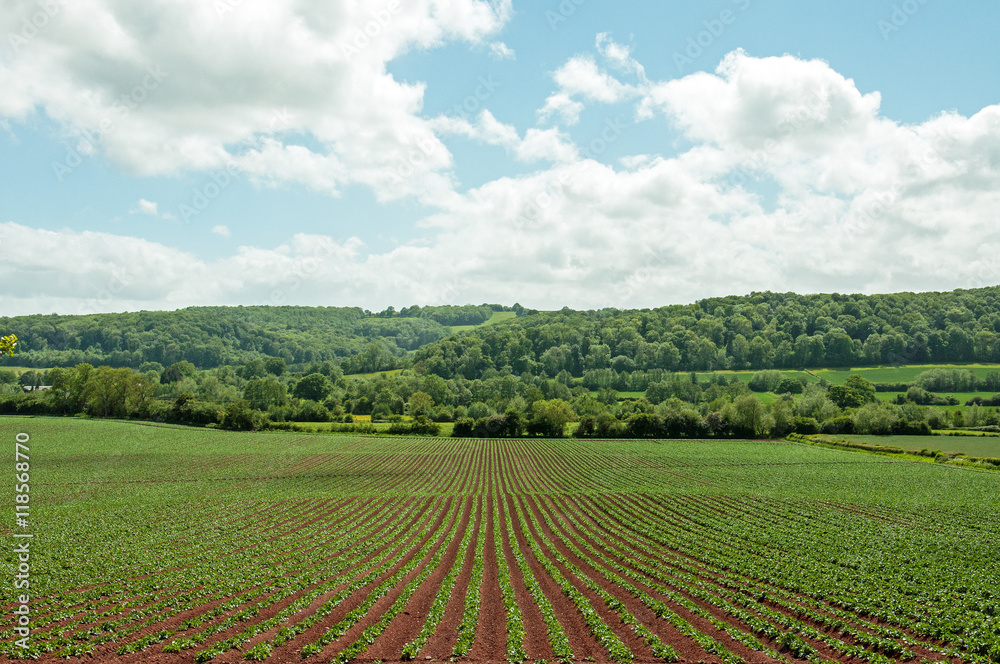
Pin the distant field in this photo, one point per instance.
(745, 376)
(961, 396)
(374, 374)
(496, 318)
(971, 445)
(176, 545)
(900, 374)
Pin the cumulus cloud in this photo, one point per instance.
(189, 85)
(222, 230)
(581, 77)
(856, 202)
(500, 51)
(536, 145)
(145, 207)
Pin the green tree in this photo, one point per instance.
(8, 344)
(314, 387)
(241, 417)
(263, 393)
(420, 403)
(549, 418)
(749, 417)
(275, 365)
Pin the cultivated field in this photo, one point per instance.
(177, 545)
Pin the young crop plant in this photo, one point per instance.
(371, 632)
(557, 636)
(473, 593)
(436, 612)
(515, 623)
(616, 650)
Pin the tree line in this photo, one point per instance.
(267, 394)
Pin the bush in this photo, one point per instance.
(464, 427)
(420, 426)
(805, 425)
(789, 385)
(838, 425)
(644, 425)
(766, 381)
(310, 411)
(911, 428)
(892, 387)
(240, 417)
(187, 410)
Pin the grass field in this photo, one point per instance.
(167, 544)
(745, 376)
(900, 374)
(375, 374)
(981, 446)
(497, 317)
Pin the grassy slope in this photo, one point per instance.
(497, 317)
(900, 374)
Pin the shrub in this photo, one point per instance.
(464, 427)
(838, 425)
(240, 417)
(805, 425)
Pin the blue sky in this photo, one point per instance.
(269, 162)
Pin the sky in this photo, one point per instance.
(171, 153)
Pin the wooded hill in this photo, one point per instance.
(210, 337)
(758, 331)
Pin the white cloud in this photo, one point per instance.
(581, 77)
(222, 230)
(860, 203)
(562, 105)
(500, 51)
(537, 144)
(190, 85)
(145, 207)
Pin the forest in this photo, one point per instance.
(757, 331)
(604, 373)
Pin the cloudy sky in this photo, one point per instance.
(167, 153)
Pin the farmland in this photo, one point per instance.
(177, 545)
